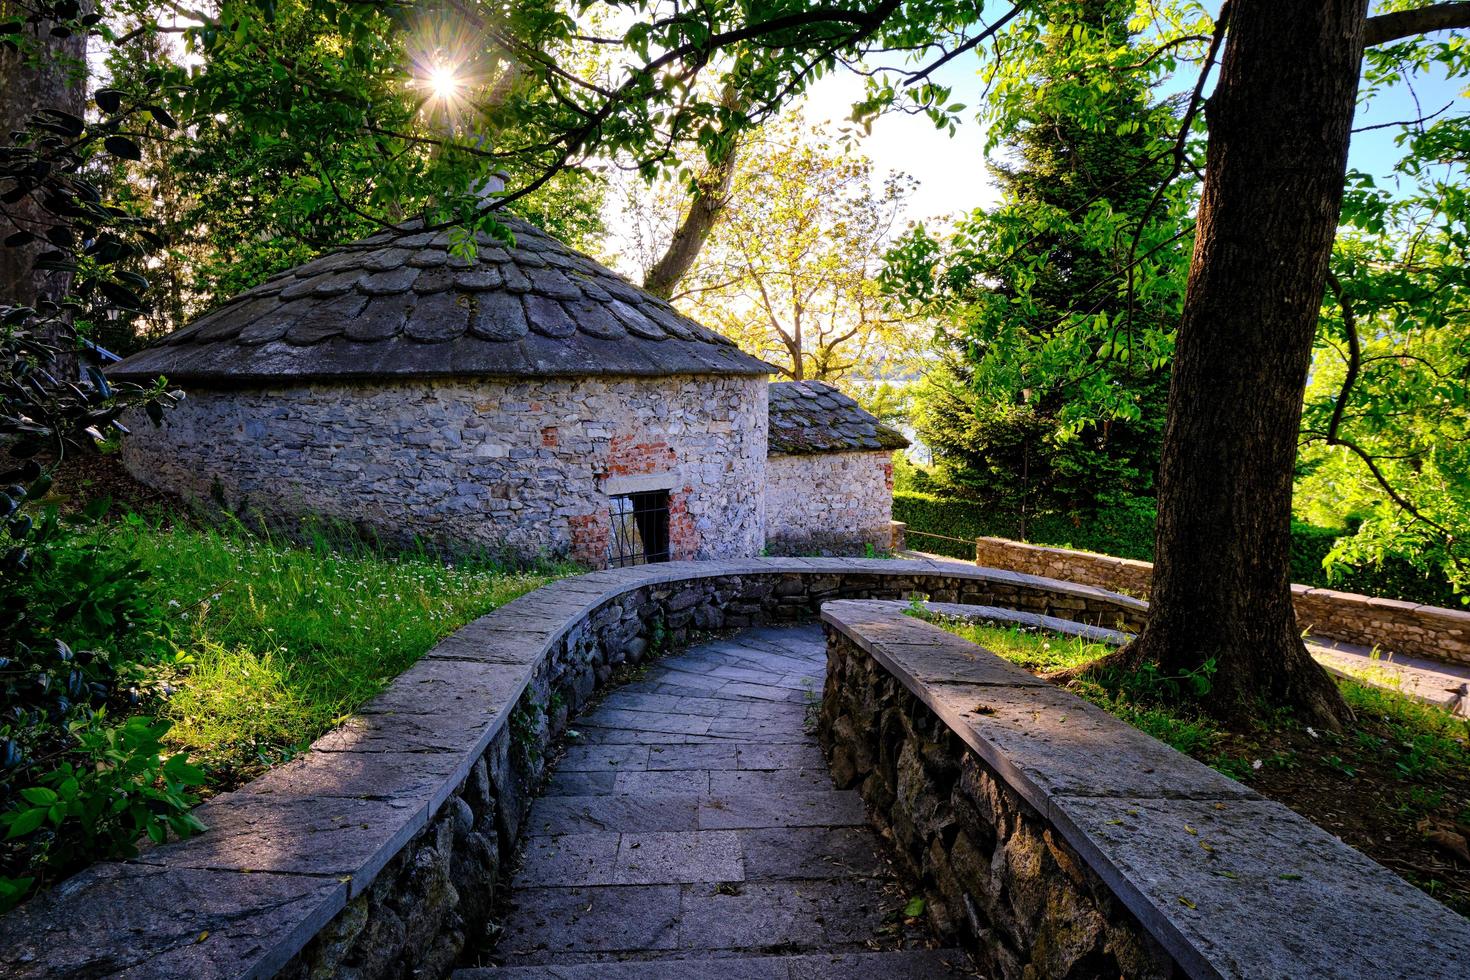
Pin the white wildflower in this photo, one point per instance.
(1256, 764)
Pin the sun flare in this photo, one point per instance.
(444, 83)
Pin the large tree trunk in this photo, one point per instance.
(1279, 121)
(57, 82)
(711, 193)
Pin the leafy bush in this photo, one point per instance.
(1127, 531)
(83, 637)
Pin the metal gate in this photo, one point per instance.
(640, 529)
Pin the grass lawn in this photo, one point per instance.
(1396, 785)
(282, 640)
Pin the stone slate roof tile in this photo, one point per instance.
(547, 317)
(479, 280)
(428, 258)
(398, 305)
(811, 417)
(515, 280)
(437, 318)
(389, 282)
(435, 280)
(498, 316)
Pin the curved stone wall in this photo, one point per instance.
(520, 466)
(377, 854)
(1392, 625)
(1055, 840)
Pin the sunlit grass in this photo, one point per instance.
(286, 639)
(1422, 739)
(1036, 651)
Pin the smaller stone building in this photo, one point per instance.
(829, 473)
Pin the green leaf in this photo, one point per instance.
(39, 795)
(26, 822)
(914, 908)
(122, 147)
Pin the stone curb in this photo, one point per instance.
(1271, 895)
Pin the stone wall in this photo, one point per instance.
(519, 466)
(1391, 625)
(377, 854)
(1052, 839)
(1104, 571)
(829, 503)
(996, 877)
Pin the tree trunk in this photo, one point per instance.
(58, 81)
(712, 191)
(1279, 121)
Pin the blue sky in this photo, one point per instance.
(952, 173)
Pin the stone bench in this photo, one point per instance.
(1053, 839)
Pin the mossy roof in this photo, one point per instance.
(812, 417)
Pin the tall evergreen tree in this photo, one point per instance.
(1055, 375)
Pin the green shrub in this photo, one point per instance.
(83, 638)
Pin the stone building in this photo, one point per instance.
(529, 400)
(829, 475)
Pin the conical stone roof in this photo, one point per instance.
(398, 305)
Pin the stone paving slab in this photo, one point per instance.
(568, 859)
(591, 814)
(570, 782)
(655, 784)
(830, 808)
(418, 776)
(707, 757)
(596, 758)
(797, 755)
(697, 705)
(763, 692)
(596, 735)
(702, 825)
(1249, 889)
(346, 839)
(392, 732)
(181, 923)
(701, 856)
(809, 852)
(900, 965)
(760, 915)
(745, 782)
(438, 687)
(646, 721)
(591, 919)
(1050, 742)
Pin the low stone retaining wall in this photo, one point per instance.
(378, 853)
(1390, 624)
(1054, 840)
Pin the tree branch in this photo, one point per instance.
(1405, 23)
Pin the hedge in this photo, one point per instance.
(1128, 532)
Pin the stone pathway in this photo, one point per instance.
(694, 818)
(1447, 685)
